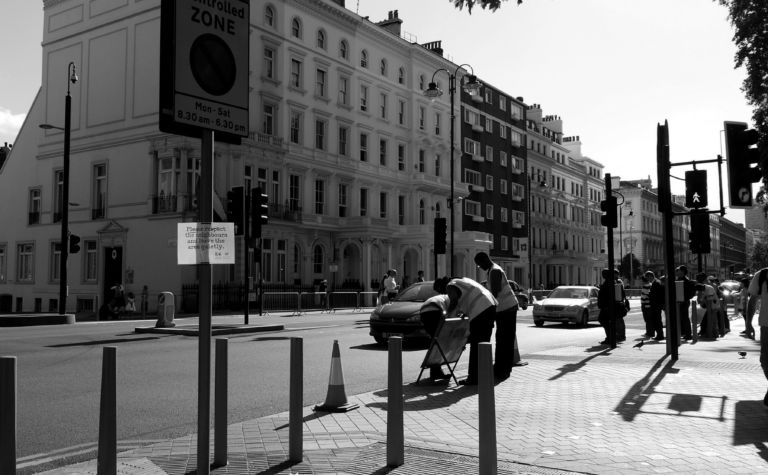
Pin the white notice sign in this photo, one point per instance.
(200, 243)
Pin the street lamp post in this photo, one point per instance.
(472, 87)
(64, 240)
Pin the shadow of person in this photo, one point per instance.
(749, 426)
(417, 397)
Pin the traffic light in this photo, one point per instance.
(741, 155)
(235, 208)
(698, 239)
(259, 211)
(440, 235)
(610, 218)
(74, 243)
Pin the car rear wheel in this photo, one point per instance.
(538, 323)
(584, 319)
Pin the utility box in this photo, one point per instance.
(166, 310)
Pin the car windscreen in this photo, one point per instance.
(417, 293)
(568, 294)
(731, 285)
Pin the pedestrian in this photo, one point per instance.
(706, 297)
(322, 289)
(758, 289)
(604, 302)
(749, 330)
(505, 317)
(479, 305)
(420, 276)
(656, 301)
(432, 314)
(645, 305)
(390, 284)
(689, 292)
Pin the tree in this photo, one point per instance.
(624, 267)
(759, 257)
(491, 5)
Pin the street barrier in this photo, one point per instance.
(107, 457)
(296, 401)
(281, 301)
(7, 414)
(367, 299)
(395, 435)
(342, 300)
(486, 409)
(220, 403)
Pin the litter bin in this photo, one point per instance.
(166, 309)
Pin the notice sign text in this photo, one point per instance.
(206, 243)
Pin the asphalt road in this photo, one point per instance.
(59, 374)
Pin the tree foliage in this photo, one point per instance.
(759, 258)
(624, 267)
(491, 5)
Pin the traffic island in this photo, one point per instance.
(216, 330)
(30, 319)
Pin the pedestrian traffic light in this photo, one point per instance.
(259, 211)
(440, 235)
(235, 208)
(741, 155)
(696, 189)
(609, 219)
(74, 243)
(698, 239)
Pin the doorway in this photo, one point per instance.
(113, 271)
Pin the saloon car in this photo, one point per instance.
(575, 304)
(400, 316)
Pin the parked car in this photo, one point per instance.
(400, 316)
(575, 304)
(731, 290)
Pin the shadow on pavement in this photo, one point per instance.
(573, 367)
(751, 426)
(103, 342)
(632, 403)
(418, 397)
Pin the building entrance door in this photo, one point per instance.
(113, 271)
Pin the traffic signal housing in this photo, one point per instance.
(259, 211)
(235, 210)
(441, 233)
(74, 243)
(610, 218)
(742, 154)
(698, 239)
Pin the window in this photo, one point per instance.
(422, 117)
(25, 262)
(296, 28)
(503, 131)
(437, 164)
(488, 96)
(363, 97)
(58, 195)
(518, 217)
(35, 206)
(364, 59)
(320, 132)
(320, 86)
(269, 16)
(488, 153)
(471, 147)
(363, 147)
(383, 152)
(296, 79)
(342, 200)
(489, 212)
(296, 120)
(383, 205)
(401, 156)
(55, 264)
(321, 39)
(275, 186)
(294, 192)
(167, 181)
(268, 119)
(317, 259)
(422, 161)
(343, 49)
(343, 90)
(502, 103)
(472, 177)
(489, 182)
(319, 197)
(281, 260)
(3, 263)
(503, 186)
(503, 213)
(401, 75)
(99, 210)
(266, 260)
(343, 140)
(504, 243)
(269, 63)
(437, 123)
(383, 105)
(422, 213)
(472, 208)
(401, 112)
(383, 67)
(363, 202)
(502, 158)
(401, 210)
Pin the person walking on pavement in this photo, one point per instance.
(707, 299)
(656, 301)
(689, 292)
(506, 315)
(479, 305)
(645, 305)
(432, 314)
(749, 330)
(605, 300)
(758, 290)
(390, 284)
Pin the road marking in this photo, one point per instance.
(80, 449)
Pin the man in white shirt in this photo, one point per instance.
(758, 289)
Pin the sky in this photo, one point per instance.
(611, 69)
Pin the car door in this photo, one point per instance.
(594, 311)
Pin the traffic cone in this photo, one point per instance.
(336, 399)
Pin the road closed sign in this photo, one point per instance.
(204, 66)
(205, 243)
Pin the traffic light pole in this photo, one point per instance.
(663, 168)
(610, 281)
(246, 253)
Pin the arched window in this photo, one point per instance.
(317, 259)
(364, 59)
(422, 217)
(344, 49)
(269, 16)
(401, 75)
(321, 39)
(383, 67)
(296, 28)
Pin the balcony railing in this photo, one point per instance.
(285, 212)
(164, 204)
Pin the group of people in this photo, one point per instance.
(485, 306)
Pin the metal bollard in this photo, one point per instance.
(7, 414)
(296, 402)
(395, 435)
(220, 403)
(486, 409)
(107, 458)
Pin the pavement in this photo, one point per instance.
(572, 409)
